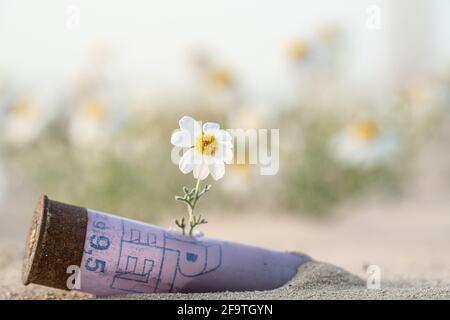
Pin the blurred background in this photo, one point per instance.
(90, 92)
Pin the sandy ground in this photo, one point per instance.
(408, 240)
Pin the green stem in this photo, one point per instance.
(190, 199)
(197, 188)
(192, 206)
(191, 213)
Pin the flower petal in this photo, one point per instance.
(191, 126)
(227, 144)
(186, 163)
(228, 155)
(201, 170)
(217, 169)
(223, 135)
(210, 127)
(225, 152)
(181, 138)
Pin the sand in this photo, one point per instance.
(314, 280)
(408, 239)
(311, 279)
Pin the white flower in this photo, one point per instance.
(94, 121)
(209, 148)
(363, 143)
(428, 97)
(25, 121)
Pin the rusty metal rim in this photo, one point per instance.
(55, 241)
(33, 254)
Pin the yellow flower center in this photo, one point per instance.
(25, 109)
(329, 33)
(206, 144)
(298, 50)
(220, 77)
(365, 130)
(95, 111)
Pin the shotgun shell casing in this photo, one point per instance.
(75, 248)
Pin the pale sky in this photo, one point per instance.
(151, 39)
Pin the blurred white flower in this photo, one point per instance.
(218, 85)
(364, 144)
(428, 96)
(209, 148)
(93, 121)
(214, 75)
(298, 50)
(220, 78)
(329, 33)
(249, 115)
(25, 120)
(96, 69)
